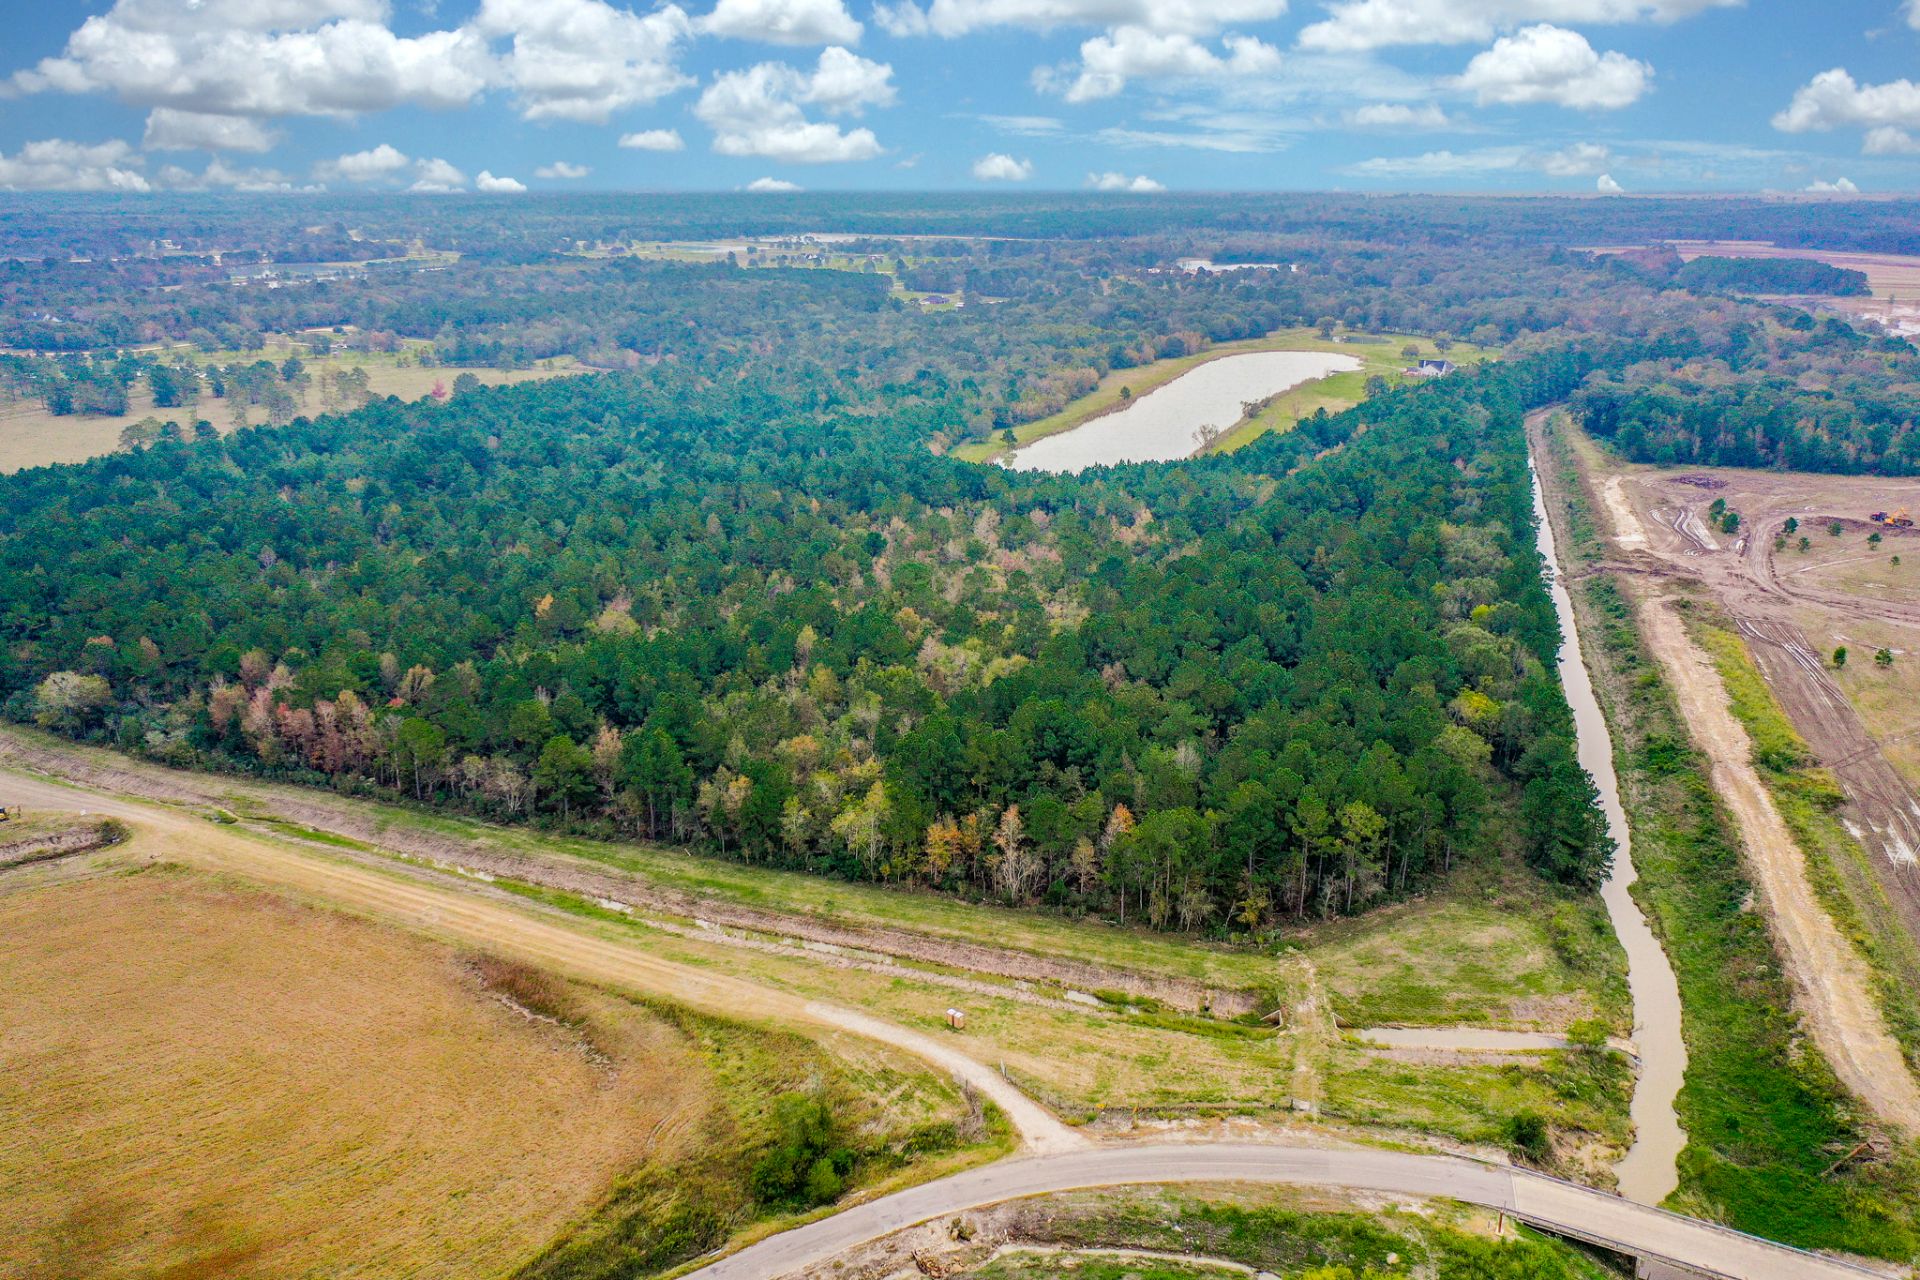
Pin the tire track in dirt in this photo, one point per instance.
(449, 914)
(1833, 984)
(724, 920)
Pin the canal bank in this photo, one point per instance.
(1650, 1171)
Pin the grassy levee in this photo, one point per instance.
(1379, 354)
(1288, 1233)
(1807, 797)
(1769, 1127)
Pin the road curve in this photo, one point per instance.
(423, 901)
(1544, 1202)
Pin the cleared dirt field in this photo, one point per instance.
(1790, 607)
(203, 1079)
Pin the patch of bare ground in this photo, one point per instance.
(209, 1080)
(466, 914)
(1831, 981)
(1835, 988)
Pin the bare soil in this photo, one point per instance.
(1660, 527)
(1661, 530)
(208, 1080)
(469, 915)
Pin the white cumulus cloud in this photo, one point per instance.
(961, 17)
(169, 129)
(1886, 140)
(1001, 167)
(761, 110)
(797, 22)
(1113, 180)
(383, 161)
(1398, 115)
(55, 164)
(1839, 186)
(653, 140)
(437, 175)
(1834, 100)
(1355, 26)
(280, 58)
(772, 185)
(561, 59)
(1580, 160)
(1548, 64)
(1606, 186)
(498, 186)
(1109, 61)
(562, 169)
(219, 174)
(583, 59)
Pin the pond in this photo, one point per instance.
(1171, 422)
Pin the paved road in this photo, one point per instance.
(1545, 1202)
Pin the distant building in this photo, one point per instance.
(1433, 369)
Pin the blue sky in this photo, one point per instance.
(462, 95)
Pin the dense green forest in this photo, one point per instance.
(731, 591)
(1780, 391)
(1773, 275)
(735, 595)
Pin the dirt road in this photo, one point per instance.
(1558, 1206)
(1835, 987)
(1832, 981)
(481, 851)
(462, 918)
(1660, 527)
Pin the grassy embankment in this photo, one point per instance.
(1496, 948)
(1379, 355)
(1770, 1130)
(1287, 1233)
(207, 1077)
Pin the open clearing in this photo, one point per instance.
(1664, 531)
(208, 1079)
(1086, 1060)
(32, 437)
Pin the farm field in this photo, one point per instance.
(245, 1083)
(32, 437)
(1496, 951)
(1380, 356)
(206, 1077)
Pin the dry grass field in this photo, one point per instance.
(32, 437)
(202, 1079)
